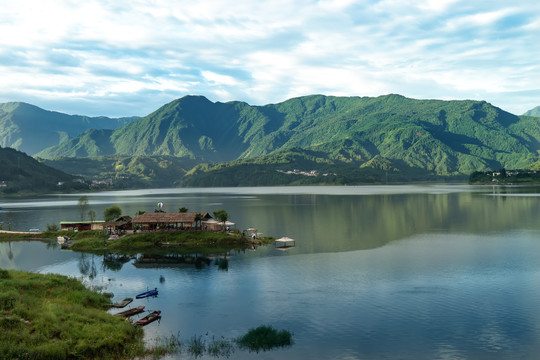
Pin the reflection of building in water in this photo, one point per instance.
(171, 261)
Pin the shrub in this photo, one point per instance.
(265, 338)
(52, 227)
(4, 274)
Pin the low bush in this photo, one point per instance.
(264, 338)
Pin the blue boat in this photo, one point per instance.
(147, 294)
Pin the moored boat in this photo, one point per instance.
(122, 303)
(153, 316)
(147, 293)
(131, 312)
(62, 239)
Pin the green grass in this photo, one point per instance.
(185, 242)
(178, 242)
(56, 317)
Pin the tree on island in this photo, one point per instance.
(182, 210)
(112, 213)
(221, 215)
(198, 219)
(83, 206)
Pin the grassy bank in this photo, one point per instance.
(193, 241)
(181, 242)
(56, 317)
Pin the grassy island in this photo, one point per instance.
(56, 317)
(179, 241)
(187, 242)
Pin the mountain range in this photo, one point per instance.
(354, 139)
(30, 129)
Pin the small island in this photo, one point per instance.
(55, 316)
(158, 231)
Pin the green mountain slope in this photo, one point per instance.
(445, 138)
(303, 167)
(533, 112)
(126, 171)
(31, 129)
(92, 142)
(21, 173)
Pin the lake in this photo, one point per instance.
(395, 272)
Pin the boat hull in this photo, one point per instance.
(155, 315)
(122, 303)
(147, 294)
(131, 312)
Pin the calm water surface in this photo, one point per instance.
(392, 272)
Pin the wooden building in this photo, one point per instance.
(119, 226)
(163, 221)
(81, 225)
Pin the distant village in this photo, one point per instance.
(305, 173)
(503, 176)
(508, 173)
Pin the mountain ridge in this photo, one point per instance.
(31, 129)
(446, 138)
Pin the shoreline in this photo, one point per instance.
(178, 242)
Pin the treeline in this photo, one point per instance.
(272, 170)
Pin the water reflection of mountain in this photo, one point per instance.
(324, 223)
(171, 261)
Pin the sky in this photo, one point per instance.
(124, 58)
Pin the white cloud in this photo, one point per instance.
(109, 54)
(217, 79)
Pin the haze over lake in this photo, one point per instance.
(410, 272)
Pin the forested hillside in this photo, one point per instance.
(20, 173)
(533, 112)
(31, 129)
(123, 172)
(433, 137)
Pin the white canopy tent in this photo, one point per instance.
(285, 242)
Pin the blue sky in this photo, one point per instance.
(121, 58)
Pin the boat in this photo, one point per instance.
(62, 239)
(147, 294)
(122, 303)
(131, 312)
(153, 316)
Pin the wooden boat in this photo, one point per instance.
(122, 303)
(131, 312)
(147, 294)
(153, 316)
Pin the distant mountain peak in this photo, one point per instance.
(29, 128)
(533, 112)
